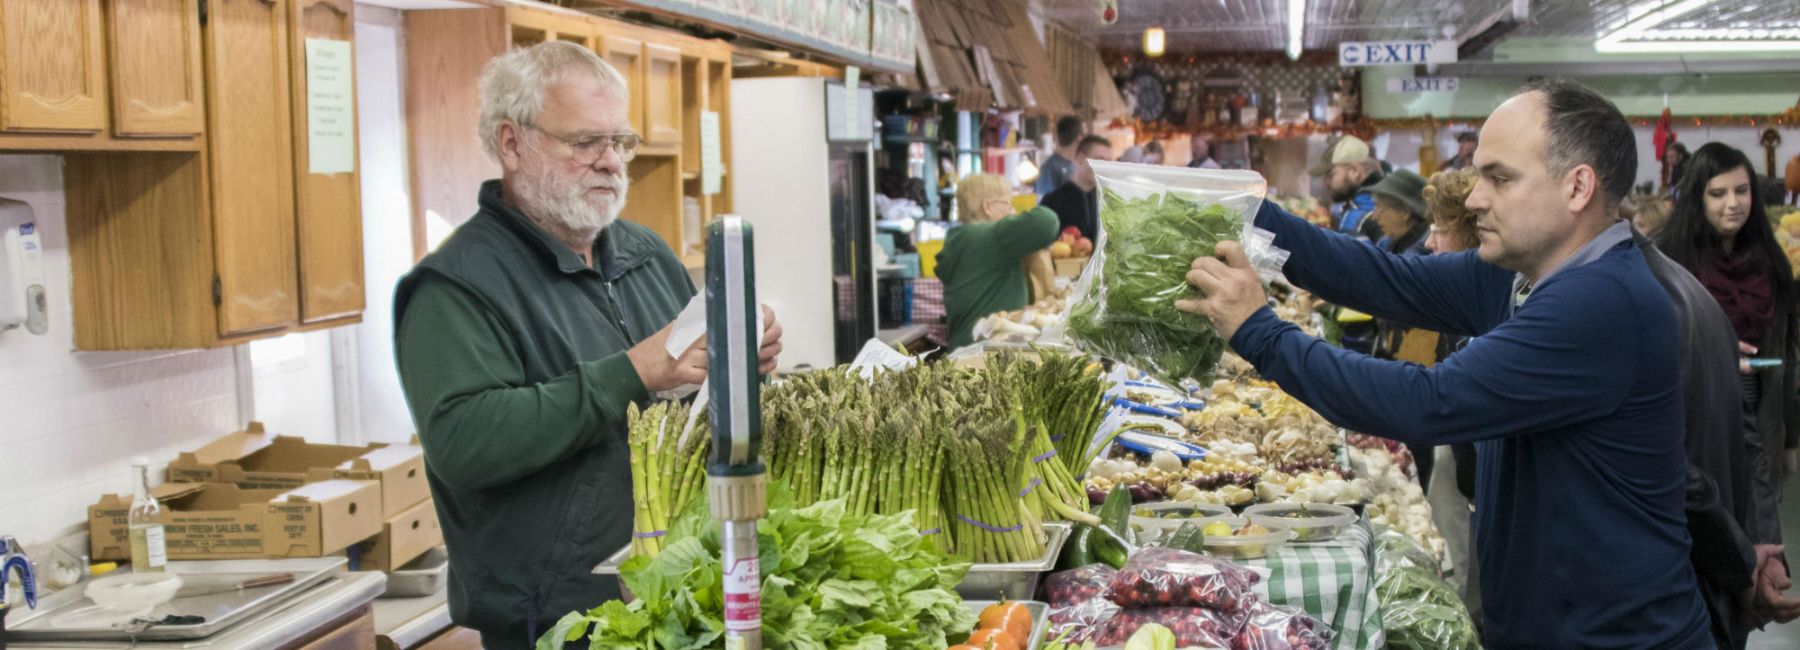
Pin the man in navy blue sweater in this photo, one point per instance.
(1570, 386)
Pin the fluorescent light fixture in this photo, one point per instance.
(1639, 35)
(1153, 42)
(1296, 27)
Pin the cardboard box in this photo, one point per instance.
(253, 459)
(321, 518)
(201, 521)
(399, 468)
(403, 538)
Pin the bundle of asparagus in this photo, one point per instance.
(668, 470)
(969, 451)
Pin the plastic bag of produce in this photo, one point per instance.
(1154, 221)
(1162, 577)
(1078, 604)
(1428, 626)
(1394, 550)
(1193, 626)
(1416, 585)
(1273, 627)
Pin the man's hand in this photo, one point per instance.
(1747, 351)
(771, 342)
(661, 372)
(1769, 601)
(1232, 292)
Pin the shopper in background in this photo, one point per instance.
(1721, 234)
(1569, 385)
(980, 264)
(1202, 152)
(1465, 151)
(1348, 172)
(1056, 169)
(1400, 213)
(1730, 499)
(1647, 213)
(525, 338)
(1076, 204)
(1153, 153)
(1133, 154)
(1400, 216)
(1451, 481)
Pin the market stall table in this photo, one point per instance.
(1333, 581)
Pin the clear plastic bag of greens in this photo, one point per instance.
(1428, 626)
(1154, 221)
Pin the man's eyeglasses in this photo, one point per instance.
(586, 149)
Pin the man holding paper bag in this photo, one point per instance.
(525, 338)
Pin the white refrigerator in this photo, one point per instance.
(802, 169)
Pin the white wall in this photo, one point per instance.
(387, 221)
(72, 420)
(292, 379)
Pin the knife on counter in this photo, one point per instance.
(192, 591)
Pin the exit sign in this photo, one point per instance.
(1422, 85)
(1357, 54)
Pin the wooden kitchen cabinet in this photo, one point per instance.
(250, 148)
(662, 95)
(52, 67)
(627, 54)
(532, 27)
(153, 59)
(327, 207)
(238, 240)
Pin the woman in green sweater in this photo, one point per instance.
(980, 264)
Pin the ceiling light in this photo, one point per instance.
(1153, 41)
(1296, 27)
(1639, 35)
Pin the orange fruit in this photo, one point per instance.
(994, 640)
(1011, 617)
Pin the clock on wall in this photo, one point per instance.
(1147, 88)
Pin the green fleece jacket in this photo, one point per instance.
(981, 271)
(512, 355)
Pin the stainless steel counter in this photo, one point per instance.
(282, 625)
(409, 622)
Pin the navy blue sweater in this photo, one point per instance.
(1575, 402)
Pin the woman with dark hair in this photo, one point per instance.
(1721, 233)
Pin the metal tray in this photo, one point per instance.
(222, 610)
(1040, 618)
(421, 577)
(1014, 580)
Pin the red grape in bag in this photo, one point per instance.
(1161, 577)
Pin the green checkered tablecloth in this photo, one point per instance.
(1334, 581)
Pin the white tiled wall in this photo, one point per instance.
(71, 421)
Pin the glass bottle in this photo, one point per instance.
(148, 553)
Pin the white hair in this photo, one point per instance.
(513, 84)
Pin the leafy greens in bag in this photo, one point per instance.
(1154, 221)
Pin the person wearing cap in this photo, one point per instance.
(1348, 172)
(1465, 151)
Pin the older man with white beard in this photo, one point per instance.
(525, 338)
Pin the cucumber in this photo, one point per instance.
(1115, 513)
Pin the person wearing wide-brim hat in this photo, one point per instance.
(1401, 215)
(1400, 212)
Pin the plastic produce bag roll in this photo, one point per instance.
(1154, 221)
